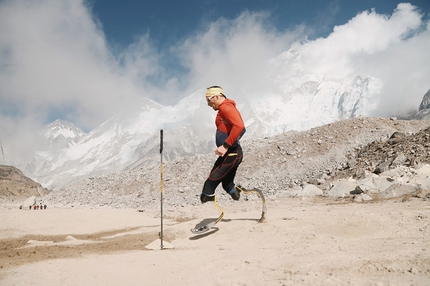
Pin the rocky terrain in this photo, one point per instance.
(284, 165)
(15, 187)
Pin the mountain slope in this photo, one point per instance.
(15, 187)
(275, 165)
(296, 101)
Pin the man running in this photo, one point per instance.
(230, 129)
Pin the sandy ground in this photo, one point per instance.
(302, 242)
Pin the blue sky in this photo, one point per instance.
(168, 22)
(84, 61)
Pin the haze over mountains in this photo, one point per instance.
(130, 139)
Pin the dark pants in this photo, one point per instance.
(224, 171)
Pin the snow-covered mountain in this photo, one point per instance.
(55, 137)
(62, 134)
(131, 138)
(424, 109)
(302, 101)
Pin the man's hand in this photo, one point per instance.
(220, 151)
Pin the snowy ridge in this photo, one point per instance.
(130, 139)
(61, 133)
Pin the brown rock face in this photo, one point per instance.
(15, 186)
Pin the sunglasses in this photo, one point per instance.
(210, 98)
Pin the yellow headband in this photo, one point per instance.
(214, 91)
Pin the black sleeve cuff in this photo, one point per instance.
(226, 146)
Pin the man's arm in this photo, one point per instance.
(234, 119)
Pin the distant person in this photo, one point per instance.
(230, 128)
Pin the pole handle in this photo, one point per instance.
(161, 140)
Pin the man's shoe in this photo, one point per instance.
(205, 198)
(240, 188)
(235, 195)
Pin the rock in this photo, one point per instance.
(382, 167)
(341, 188)
(362, 198)
(29, 202)
(310, 190)
(396, 137)
(397, 190)
(422, 178)
(400, 159)
(358, 190)
(351, 163)
(424, 170)
(374, 184)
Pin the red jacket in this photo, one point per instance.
(229, 124)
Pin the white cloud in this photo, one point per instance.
(54, 61)
(55, 57)
(393, 48)
(234, 53)
(364, 35)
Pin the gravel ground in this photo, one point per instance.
(275, 165)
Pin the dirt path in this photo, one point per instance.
(303, 242)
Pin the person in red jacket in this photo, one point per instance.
(230, 128)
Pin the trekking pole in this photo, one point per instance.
(161, 185)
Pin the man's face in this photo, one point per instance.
(213, 101)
